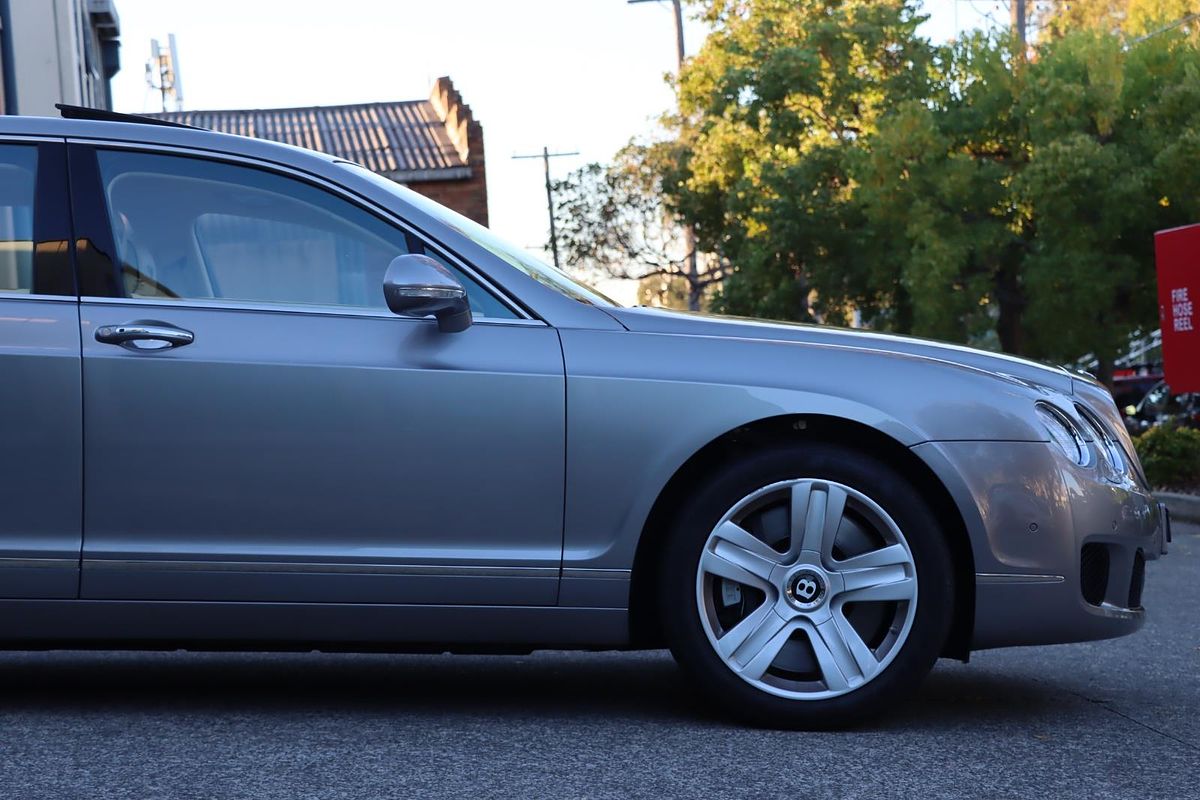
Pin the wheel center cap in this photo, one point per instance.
(806, 589)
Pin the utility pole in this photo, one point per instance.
(689, 233)
(678, 25)
(545, 156)
(1017, 8)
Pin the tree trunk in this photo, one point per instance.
(1011, 300)
(695, 290)
(693, 269)
(1104, 370)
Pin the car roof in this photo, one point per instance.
(148, 133)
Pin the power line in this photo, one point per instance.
(1164, 29)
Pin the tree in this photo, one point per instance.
(1114, 132)
(773, 108)
(845, 165)
(1132, 18)
(934, 184)
(615, 220)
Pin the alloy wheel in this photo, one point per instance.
(806, 589)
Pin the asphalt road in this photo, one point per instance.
(1109, 719)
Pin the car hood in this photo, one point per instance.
(657, 320)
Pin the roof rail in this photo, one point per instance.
(82, 112)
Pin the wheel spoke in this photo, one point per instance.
(843, 657)
(893, 590)
(760, 648)
(734, 553)
(879, 567)
(883, 557)
(759, 625)
(817, 510)
(756, 550)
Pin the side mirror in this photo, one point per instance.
(418, 286)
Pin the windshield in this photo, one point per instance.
(515, 256)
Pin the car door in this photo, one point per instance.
(270, 432)
(40, 401)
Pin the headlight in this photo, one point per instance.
(1064, 433)
(1112, 457)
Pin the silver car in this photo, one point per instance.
(256, 397)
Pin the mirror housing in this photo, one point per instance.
(419, 286)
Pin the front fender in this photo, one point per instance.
(639, 405)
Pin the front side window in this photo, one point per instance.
(515, 256)
(191, 229)
(18, 177)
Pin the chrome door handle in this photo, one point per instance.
(129, 334)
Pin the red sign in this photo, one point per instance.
(1178, 254)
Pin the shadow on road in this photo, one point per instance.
(630, 685)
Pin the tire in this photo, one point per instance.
(843, 616)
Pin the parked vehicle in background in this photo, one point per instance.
(1131, 384)
(1160, 406)
(261, 398)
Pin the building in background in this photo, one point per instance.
(57, 51)
(433, 146)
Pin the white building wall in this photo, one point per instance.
(49, 56)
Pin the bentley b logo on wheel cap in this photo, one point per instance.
(806, 589)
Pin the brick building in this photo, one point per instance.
(433, 146)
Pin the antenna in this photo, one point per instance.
(176, 77)
(162, 72)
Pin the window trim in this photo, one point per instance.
(87, 197)
(53, 247)
(315, 310)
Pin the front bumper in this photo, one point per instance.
(1059, 552)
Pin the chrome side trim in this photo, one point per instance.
(598, 574)
(284, 308)
(55, 298)
(152, 565)
(39, 563)
(1000, 577)
(29, 138)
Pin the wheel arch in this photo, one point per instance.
(645, 628)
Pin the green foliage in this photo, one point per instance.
(844, 164)
(1132, 17)
(1096, 189)
(1170, 457)
(772, 107)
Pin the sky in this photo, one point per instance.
(573, 75)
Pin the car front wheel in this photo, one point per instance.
(806, 587)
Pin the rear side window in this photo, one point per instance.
(18, 178)
(187, 228)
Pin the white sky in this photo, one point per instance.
(583, 75)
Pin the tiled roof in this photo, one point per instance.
(405, 140)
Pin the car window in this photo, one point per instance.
(188, 228)
(18, 170)
(515, 256)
